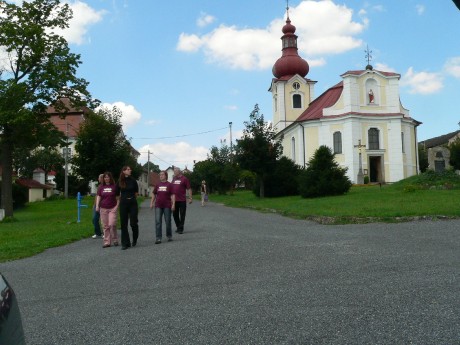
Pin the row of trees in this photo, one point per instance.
(257, 163)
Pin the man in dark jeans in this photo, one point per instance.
(180, 188)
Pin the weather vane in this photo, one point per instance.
(287, 7)
(368, 55)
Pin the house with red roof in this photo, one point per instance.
(361, 118)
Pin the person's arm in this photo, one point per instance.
(173, 202)
(98, 200)
(189, 191)
(152, 201)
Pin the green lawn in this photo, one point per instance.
(362, 204)
(42, 225)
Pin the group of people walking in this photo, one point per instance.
(168, 198)
(110, 198)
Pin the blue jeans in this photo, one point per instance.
(159, 212)
(96, 223)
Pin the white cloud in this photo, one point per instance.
(83, 17)
(452, 66)
(204, 20)
(254, 48)
(231, 107)
(420, 9)
(189, 43)
(180, 154)
(422, 82)
(130, 115)
(384, 68)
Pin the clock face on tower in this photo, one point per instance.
(296, 86)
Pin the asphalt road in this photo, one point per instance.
(242, 277)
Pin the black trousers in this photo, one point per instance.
(179, 214)
(129, 211)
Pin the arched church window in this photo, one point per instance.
(337, 142)
(373, 139)
(297, 101)
(439, 154)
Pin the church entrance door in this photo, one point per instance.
(375, 171)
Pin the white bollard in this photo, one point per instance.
(2, 213)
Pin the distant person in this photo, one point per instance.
(181, 186)
(204, 193)
(97, 215)
(107, 204)
(163, 200)
(128, 191)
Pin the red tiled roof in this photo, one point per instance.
(70, 108)
(326, 100)
(32, 184)
(359, 72)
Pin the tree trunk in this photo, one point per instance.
(262, 188)
(6, 162)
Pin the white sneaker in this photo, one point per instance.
(95, 236)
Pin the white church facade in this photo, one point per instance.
(361, 118)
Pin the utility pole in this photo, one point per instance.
(66, 160)
(231, 142)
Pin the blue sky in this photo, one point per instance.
(180, 68)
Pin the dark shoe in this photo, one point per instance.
(115, 244)
(180, 232)
(169, 239)
(124, 247)
(158, 241)
(134, 243)
(106, 246)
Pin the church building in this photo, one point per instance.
(361, 118)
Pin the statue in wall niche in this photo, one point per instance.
(371, 96)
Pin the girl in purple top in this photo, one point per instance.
(163, 200)
(107, 204)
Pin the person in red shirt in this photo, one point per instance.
(181, 186)
(163, 200)
(107, 204)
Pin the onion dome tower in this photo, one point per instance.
(290, 63)
(291, 91)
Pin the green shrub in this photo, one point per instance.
(323, 176)
(282, 180)
(366, 179)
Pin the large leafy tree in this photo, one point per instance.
(152, 167)
(454, 148)
(47, 159)
(39, 69)
(102, 146)
(258, 149)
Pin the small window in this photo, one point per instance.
(373, 134)
(297, 101)
(337, 142)
(439, 154)
(296, 85)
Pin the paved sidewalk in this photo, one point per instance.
(242, 277)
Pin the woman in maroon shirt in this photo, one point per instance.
(107, 204)
(163, 200)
